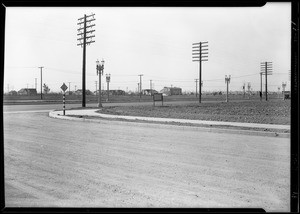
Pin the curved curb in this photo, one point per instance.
(159, 123)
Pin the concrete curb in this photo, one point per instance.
(160, 123)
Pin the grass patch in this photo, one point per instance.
(250, 111)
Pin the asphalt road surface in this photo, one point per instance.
(52, 162)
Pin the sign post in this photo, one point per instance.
(64, 88)
(158, 97)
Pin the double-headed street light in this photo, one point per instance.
(100, 69)
(107, 80)
(227, 81)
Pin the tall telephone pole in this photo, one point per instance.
(151, 87)
(41, 82)
(199, 55)
(196, 80)
(86, 38)
(140, 85)
(266, 69)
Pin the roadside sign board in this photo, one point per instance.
(158, 97)
(64, 87)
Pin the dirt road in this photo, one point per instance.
(51, 162)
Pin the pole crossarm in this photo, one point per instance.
(87, 43)
(86, 27)
(86, 37)
(80, 23)
(87, 16)
(86, 32)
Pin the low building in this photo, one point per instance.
(27, 91)
(111, 92)
(12, 93)
(79, 92)
(171, 91)
(116, 92)
(149, 91)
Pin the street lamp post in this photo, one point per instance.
(100, 69)
(227, 81)
(107, 80)
(283, 88)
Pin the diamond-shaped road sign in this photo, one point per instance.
(64, 87)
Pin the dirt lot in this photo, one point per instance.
(248, 111)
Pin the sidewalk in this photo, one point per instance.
(92, 112)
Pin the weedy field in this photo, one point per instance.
(249, 111)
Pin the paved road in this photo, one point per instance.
(51, 162)
(48, 106)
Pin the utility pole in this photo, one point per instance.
(200, 56)
(41, 82)
(138, 88)
(35, 83)
(100, 69)
(244, 90)
(266, 68)
(96, 87)
(196, 80)
(140, 85)
(249, 87)
(86, 38)
(69, 87)
(151, 87)
(283, 88)
(261, 73)
(227, 81)
(107, 81)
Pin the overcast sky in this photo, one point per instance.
(155, 42)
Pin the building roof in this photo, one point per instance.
(29, 89)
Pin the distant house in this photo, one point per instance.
(79, 92)
(27, 91)
(116, 92)
(171, 91)
(148, 91)
(12, 93)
